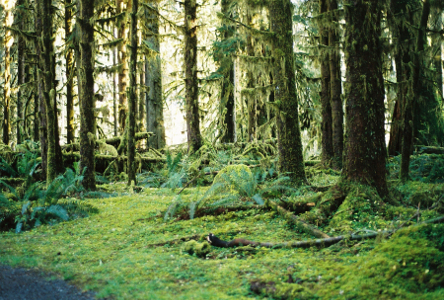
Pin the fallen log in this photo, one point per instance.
(429, 150)
(103, 161)
(115, 141)
(320, 243)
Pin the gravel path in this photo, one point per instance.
(22, 284)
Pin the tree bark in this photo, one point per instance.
(123, 75)
(86, 90)
(227, 94)
(437, 44)
(131, 119)
(402, 37)
(40, 90)
(153, 80)
(289, 135)
(365, 146)
(337, 111)
(20, 71)
(191, 82)
(407, 141)
(69, 64)
(35, 95)
(327, 121)
(8, 40)
(47, 66)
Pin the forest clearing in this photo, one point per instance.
(232, 149)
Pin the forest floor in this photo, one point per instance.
(128, 251)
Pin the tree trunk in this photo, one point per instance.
(337, 111)
(227, 94)
(365, 144)
(402, 37)
(113, 75)
(47, 66)
(407, 141)
(251, 97)
(327, 123)
(123, 75)
(8, 40)
(191, 82)
(437, 44)
(20, 71)
(86, 90)
(131, 119)
(36, 104)
(289, 135)
(141, 104)
(69, 64)
(153, 80)
(40, 90)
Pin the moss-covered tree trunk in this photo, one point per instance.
(47, 67)
(86, 90)
(337, 111)
(21, 53)
(227, 94)
(437, 26)
(326, 124)
(42, 125)
(153, 80)
(191, 82)
(7, 40)
(122, 60)
(418, 60)
(131, 119)
(35, 95)
(289, 135)
(365, 157)
(399, 18)
(251, 98)
(69, 65)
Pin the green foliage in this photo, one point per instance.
(45, 206)
(427, 168)
(233, 186)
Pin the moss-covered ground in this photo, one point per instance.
(128, 251)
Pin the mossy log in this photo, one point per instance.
(429, 150)
(308, 228)
(103, 161)
(319, 243)
(115, 141)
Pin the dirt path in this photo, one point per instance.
(22, 284)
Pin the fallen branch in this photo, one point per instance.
(308, 228)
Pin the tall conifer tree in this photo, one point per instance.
(365, 157)
(85, 79)
(290, 144)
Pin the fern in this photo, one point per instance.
(77, 206)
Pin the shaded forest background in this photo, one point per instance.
(101, 87)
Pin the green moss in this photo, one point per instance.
(199, 249)
(127, 247)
